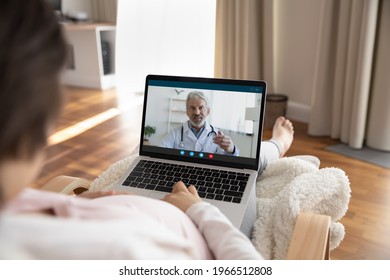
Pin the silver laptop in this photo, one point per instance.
(170, 151)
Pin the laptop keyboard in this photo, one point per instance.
(211, 183)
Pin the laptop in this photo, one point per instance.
(224, 179)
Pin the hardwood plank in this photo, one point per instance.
(367, 222)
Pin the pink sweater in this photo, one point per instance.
(120, 227)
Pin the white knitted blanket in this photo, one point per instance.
(286, 187)
(289, 186)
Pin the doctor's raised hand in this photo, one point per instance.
(225, 142)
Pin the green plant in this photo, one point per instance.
(149, 131)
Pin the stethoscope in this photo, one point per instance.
(181, 145)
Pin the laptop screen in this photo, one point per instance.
(203, 120)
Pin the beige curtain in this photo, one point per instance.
(104, 10)
(378, 127)
(344, 70)
(351, 88)
(238, 48)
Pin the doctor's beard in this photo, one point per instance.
(199, 123)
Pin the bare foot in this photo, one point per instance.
(283, 132)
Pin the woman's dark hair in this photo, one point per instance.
(32, 55)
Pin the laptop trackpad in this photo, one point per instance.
(157, 195)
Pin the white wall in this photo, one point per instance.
(97, 10)
(173, 37)
(296, 29)
(177, 37)
(77, 6)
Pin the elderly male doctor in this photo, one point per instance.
(197, 134)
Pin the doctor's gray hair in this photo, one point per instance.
(195, 95)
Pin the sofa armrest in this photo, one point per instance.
(310, 240)
(67, 185)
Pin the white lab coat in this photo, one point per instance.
(191, 143)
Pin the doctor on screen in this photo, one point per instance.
(197, 134)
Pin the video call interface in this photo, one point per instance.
(234, 111)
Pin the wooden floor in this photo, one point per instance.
(88, 153)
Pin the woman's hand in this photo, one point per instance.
(182, 197)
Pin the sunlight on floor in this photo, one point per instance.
(80, 127)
